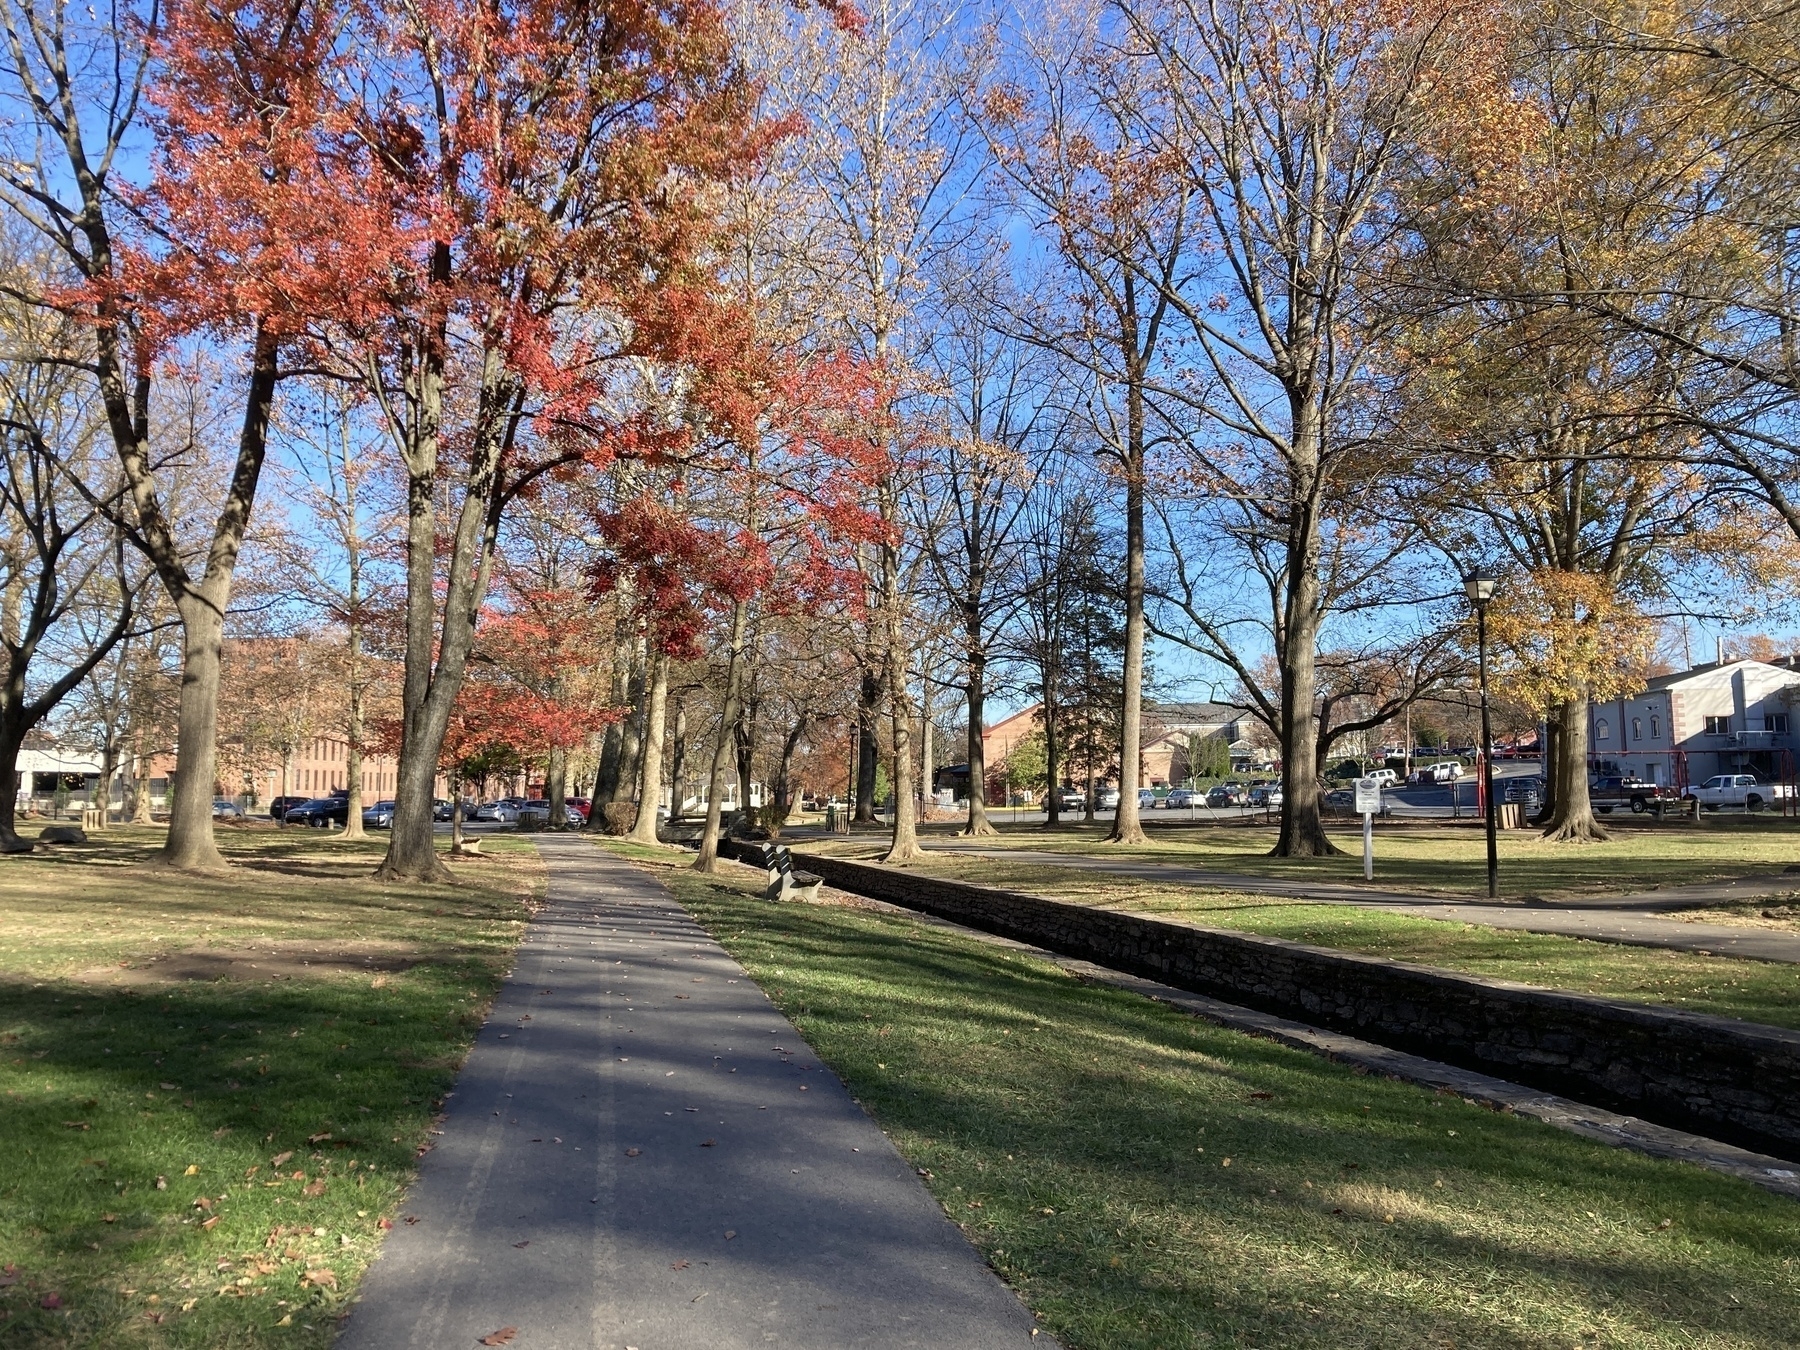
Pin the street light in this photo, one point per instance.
(1479, 587)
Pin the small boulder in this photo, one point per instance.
(62, 834)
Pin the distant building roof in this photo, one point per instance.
(1713, 669)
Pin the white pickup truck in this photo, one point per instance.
(1737, 789)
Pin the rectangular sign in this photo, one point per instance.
(1368, 797)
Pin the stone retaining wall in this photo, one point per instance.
(1717, 1076)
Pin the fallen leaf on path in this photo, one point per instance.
(412, 1218)
(633, 1152)
(501, 1337)
(384, 1224)
(525, 1243)
(679, 1265)
(730, 1233)
(707, 1143)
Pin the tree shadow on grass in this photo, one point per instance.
(109, 1091)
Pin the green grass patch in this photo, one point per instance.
(1148, 1181)
(1642, 855)
(1758, 991)
(215, 1088)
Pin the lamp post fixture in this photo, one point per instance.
(1479, 587)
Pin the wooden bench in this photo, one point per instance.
(784, 880)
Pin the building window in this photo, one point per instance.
(1637, 728)
(1603, 730)
(1655, 729)
(1775, 722)
(1718, 726)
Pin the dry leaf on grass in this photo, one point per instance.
(280, 1158)
(321, 1278)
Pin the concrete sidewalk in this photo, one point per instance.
(1639, 920)
(641, 1152)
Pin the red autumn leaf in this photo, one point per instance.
(501, 1337)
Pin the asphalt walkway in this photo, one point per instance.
(642, 1154)
(1642, 920)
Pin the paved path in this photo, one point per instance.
(641, 1152)
(1637, 920)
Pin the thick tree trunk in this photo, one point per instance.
(190, 843)
(1052, 767)
(1572, 815)
(140, 787)
(556, 787)
(631, 733)
(109, 770)
(868, 746)
(643, 829)
(722, 746)
(11, 739)
(978, 823)
(1126, 827)
(1302, 832)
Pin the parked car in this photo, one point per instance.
(1226, 794)
(1446, 771)
(226, 809)
(1386, 777)
(1529, 790)
(1146, 799)
(442, 808)
(280, 806)
(1072, 799)
(1266, 795)
(504, 811)
(379, 816)
(1340, 799)
(1736, 789)
(320, 813)
(1180, 799)
(1107, 799)
(1639, 795)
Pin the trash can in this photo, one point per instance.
(831, 819)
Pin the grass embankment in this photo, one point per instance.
(1148, 1181)
(1755, 990)
(215, 1087)
(1642, 855)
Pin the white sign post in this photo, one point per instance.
(1368, 802)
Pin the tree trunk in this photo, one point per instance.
(109, 769)
(1052, 764)
(140, 786)
(678, 758)
(722, 745)
(1302, 832)
(978, 823)
(1126, 828)
(11, 739)
(927, 760)
(868, 749)
(631, 731)
(643, 829)
(353, 758)
(904, 846)
(556, 787)
(190, 843)
(1572, 816)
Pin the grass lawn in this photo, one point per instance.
(1642, 855)
(215, 1088)
(1148, 1181)
(1758, 991)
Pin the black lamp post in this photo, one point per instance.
(1479, 587)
